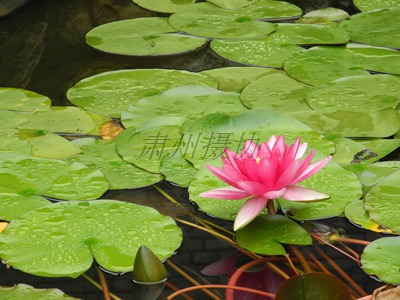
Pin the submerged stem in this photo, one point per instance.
(115, 297)
(103, 282)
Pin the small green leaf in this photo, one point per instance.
(15, 205)
(23, 100)
(164, 6)
(265, 234)
(52, 146)
(148, 268)
(24, 291)
(323, 15)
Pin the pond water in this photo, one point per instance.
(43, 50)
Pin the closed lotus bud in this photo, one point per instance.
(148, 268)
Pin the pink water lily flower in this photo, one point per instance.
(265, 172)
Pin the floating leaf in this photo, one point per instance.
(176, 169)
(381, 258)
(208, 20)
(23, 100)
(108, 231)
(15, 205)
(362, 93)
(11, 119)
(146, 148)
(382, 202)
(372, 123)
(307, 34)
(266, 233)
(341, 185)
(164, 6)
(10, 142)
(322, 64)
(275, 91)
(378, 27)
(123, 88)
(323, 15)
(24, 291)
(254, 52)
(52, 146)
(234, 79)
(102, 155)
(174, 103)
(60, 119)
(141, 37)
(53, 178)
(356, 214)
(366, 5)
(309, 286)
(232, 4)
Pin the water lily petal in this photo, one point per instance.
(250, 209)
(227, 174)
(227, 193)
(287, 176)
(312, 169)
(250, 149)
(301, 150)
(291, 153)
(268, 169)
(252, 188)
(271, 142)
(274, 194)
(299, 193)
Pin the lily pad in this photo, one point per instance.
(366, 5)
(177, 170)
(372, 123)
(141, 37)
(164, 6)
(307, 34)
(11, 119)
(378, 27)
(10, 142)
(356, 214)
(15, 205)
(323, 15)
(146, 148)
(24, 291)
(275, 91)
(258, 52)
(322, 64)
(232, 4)
(53, 178)
(266, 233)
(234, 79)
(381, 258)
(124, 88)
(341, 185)
(102, 155)
(60, 119)
(108, 231)
(174, 104)
(208, 20)
(23, 100)
(382, 202)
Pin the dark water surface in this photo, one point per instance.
(42, 48)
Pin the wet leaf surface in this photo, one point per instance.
(164, 6)
(24, 291)
(23, 100)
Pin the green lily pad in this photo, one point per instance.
(349, 151)
(11, 119)
(204, 140)
(322, 64)
(323, 15)
(176, 169)
(164, 6)
(102, 155)
(124, 88)
(52, 145)
(10, 142)
(23, 100)
(381, 258)
(275, 91)
(146, 148)
(24, 291)
(15, 205)
(382, 202)
(232, 4)
(258, 52)
(307, 34)
(357, 215)
(108, 231)
(372, 123)
(366, 5)
(174, 104)
(362, 93)
(308, 286)
(370, 175)
(266, 233)
(53, 178)
(377, 28)
(234, 79)
(381, 147)
(141, 37)
(341, 185)
(208, 20)
(60, 119)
